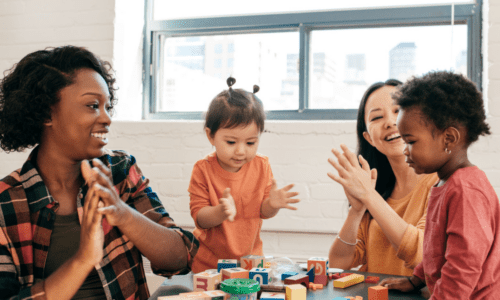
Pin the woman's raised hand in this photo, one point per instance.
(358, 181)
(228, 206)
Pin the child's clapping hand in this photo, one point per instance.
(228, 206)
(282, 198)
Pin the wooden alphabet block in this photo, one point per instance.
(378, 292)
(296, 292)
(310, 273)
(320, 265)
(226, 264)
(298, 279)
(234, 273)
(207, 295)
(348, 281)
(252, 261)
(205, 281)
(288, 274)
(272, 296)
(321, 279)
(261, 275)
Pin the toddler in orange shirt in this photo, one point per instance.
(233, 189)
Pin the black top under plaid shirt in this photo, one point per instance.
(27, 214)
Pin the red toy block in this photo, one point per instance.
(334, 276)
(321, 279)
(378, 292)
(298, 279)
(372, 279)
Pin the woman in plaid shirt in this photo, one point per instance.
(64, 235)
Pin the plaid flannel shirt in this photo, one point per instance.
(27, 214)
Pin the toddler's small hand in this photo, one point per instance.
(282, 197)
(228, 206)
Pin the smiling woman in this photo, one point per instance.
(69, 231)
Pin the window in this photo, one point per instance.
(310, 65)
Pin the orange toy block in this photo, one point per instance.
(372, 279)
(298, 279)
(234, 273)
(320, 265)
(205, 281)
(321, 279)
(296, 292)
(252, 261)
(378, 292)
(348, 281)
(315, 286)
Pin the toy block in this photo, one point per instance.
(354, 298)
(261, 275)
(205, 281)
(277, 287)
(296, 292)
(340, 298)
(345, 274)
(298, 279)
(378, 292)
(319, 264)
(310, 273)
(226, 264)
(315, 286)
(288, 274)
(268, 265)
(207, 295)
(234, 273)
(171, 298)
(334, 276)
(321, 279)
(272, 296)
(252, 261)
(372, 279)
(348, 281)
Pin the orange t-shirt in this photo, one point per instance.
(250, 186)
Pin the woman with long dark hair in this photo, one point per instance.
(383, 234)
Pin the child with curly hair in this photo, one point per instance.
(233, 189)
(441, 115)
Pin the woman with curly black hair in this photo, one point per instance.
(69, 231)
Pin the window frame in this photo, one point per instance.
(304, 23)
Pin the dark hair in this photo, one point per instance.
(446, 99)
(386, 178)
(31, 88)
(232, 108)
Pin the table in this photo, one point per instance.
(328, 292)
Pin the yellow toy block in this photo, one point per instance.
(348, 281)
(320, 265)
(205, 281)
(234, 273)
(296, 292)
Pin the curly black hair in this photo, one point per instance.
(446, 99)
(31, 88)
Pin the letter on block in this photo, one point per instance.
(348, 281)
(205, 281)
(272, 296)
(296, 292)
(261, 275)
(234, 273)
(298, 279)
(378, 293)
(320, 265)
(226, 264)
(252, 261)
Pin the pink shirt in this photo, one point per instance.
(461, 258)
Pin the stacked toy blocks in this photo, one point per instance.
(378, 293)
(226, 264)
(206, 281)
(252, 261)
(261, 275)
(348, 281)
(234, 273)
(296, 292)
(318, 266)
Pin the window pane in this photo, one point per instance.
(345, 62)
(192, 71)
(165, 10)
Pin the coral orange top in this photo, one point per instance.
(375, 252)
(250, 186)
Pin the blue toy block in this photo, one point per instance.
(226, 264)
(288, 274)
(310, 273)
(261, 275)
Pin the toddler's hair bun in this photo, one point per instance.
(256, 88)
(230, 81)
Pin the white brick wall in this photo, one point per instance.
(167, 150)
